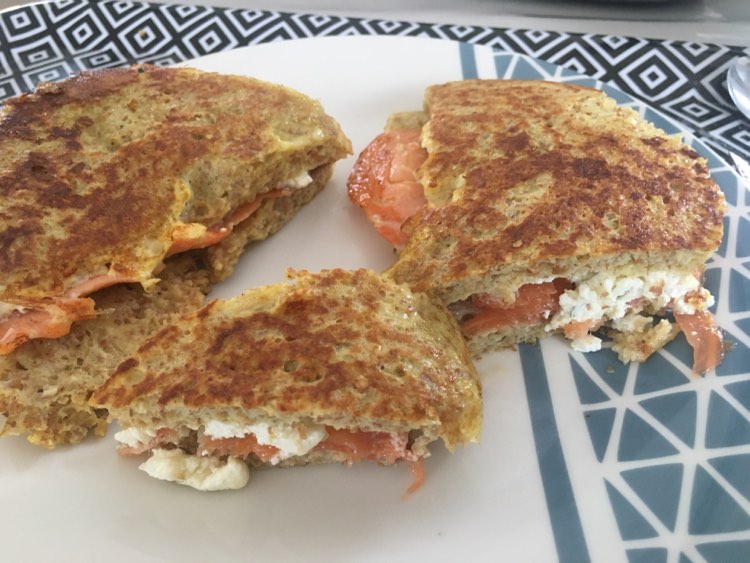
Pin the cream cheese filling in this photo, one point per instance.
(290, 439)
(205, 473)
(298, 182)
(133, 437)
(617, 299)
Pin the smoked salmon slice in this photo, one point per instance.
(53, 317)
(51, 321)
(192, 236)
(240, 447)
(538, 302)
(384, 183)
(367, 446)
(534, 303)
(357, 445)
(704, 337)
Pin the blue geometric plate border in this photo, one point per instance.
(673, 450)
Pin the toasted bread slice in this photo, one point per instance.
(104, 175)
(273, 214)
(552, 209)
(45, 385)
(338, 366)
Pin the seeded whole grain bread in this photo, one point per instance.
(45, 384)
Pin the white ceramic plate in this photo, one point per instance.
(581, 457)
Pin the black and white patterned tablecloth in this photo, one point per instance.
(49, 41)
(686, 81)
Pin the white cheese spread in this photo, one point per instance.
(613, 299)
(588, 343)
(7, 309)
(298, 182)
(205, 473)
(134, 437)
(290, 439)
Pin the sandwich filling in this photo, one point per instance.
(385, 184)
(339, 366)
(216, 456)
(22, 321)
(626, 304)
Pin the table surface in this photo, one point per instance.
(708, 21)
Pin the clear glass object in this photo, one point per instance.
(738, 83)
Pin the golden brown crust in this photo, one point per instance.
(273, 214)
(561, 173)
(348, 349)
(45, 385)
(96, 171)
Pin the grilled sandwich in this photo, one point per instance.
(332, 367)
(106, 174)
(45, 385)
(534, 208)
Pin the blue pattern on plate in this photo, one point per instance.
(714, 509)
(677, 412)
(611, 370)
(712, 282)
(503, 65)
(528, 70)
(561, 505)
(739, 291)
(468, 62)
(741, 392)
(725, 552)
(599, 423)
(726, 427)
(726, 179)
(734, 468)
(647, 555)
(632, 524)
(657, 482)
(658, 373)
(743, 238)
(659, 487)
(661, 122)
(737, 359)
(639, 440)
(588, 391)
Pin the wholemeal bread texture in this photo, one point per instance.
(341, 356)
(45, 385)
(105, 174)
(272, 214)
(549, 208)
